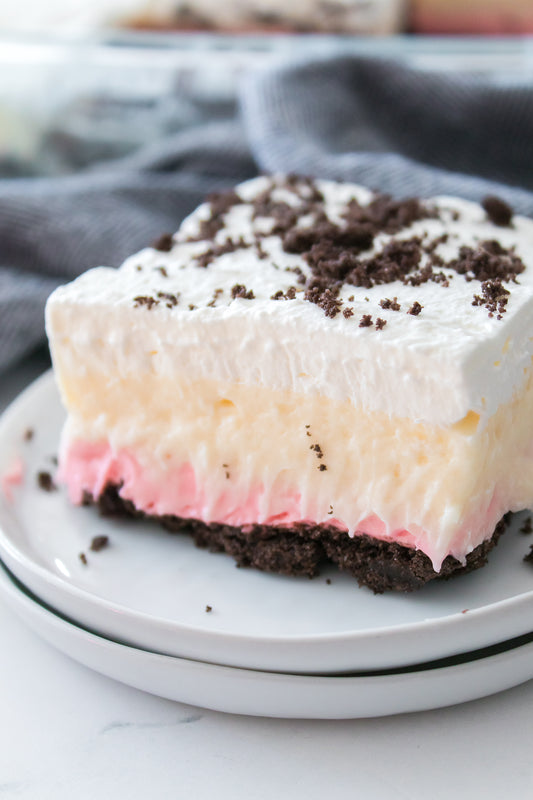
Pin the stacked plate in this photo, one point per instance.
(153, 611)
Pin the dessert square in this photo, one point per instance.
(308, 371)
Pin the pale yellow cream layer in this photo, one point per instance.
(446, 486)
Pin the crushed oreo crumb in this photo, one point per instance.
(385, 215)
(494, 297)
(162, 270)
(290, 294)
(322, 467)
(45, 482)
(219, 205)
(332, 251)
(366, 321)
(99, 543)
(83, 558)
(216, 295)
(393, 304)
(337, 252)
(29, 433)
(318, 450)
(380, 324)
(240, 290)
(217, 250)
(490, 261)
(164, 243)
(301, 278)
(145, 300)
(325, 297)
(431, 246)
(208, 609)
(171, 299)
(498, 211)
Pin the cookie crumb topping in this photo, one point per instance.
(164, 243)
(240, 290)
(497, 210)
(351, 244)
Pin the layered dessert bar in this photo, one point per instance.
(231, 16)
(307, 371)
(276, 16)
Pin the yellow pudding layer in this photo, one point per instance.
(439, 488)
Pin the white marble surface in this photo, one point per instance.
(70, 734)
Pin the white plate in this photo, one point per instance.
(150, 588)
(270, 694)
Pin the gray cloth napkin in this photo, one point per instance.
(393, 128)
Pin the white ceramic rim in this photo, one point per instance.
(257, 693)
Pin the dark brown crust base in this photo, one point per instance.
(302, 548)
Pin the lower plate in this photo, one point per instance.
(241, 691)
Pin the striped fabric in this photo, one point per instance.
(392, 128)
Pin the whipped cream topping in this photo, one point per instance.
(237, 455)
(206, 309)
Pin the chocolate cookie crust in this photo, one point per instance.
(302, 548)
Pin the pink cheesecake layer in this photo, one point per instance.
(90, 467)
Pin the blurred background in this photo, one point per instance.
(82, 82)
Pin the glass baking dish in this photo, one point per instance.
(65, 104)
